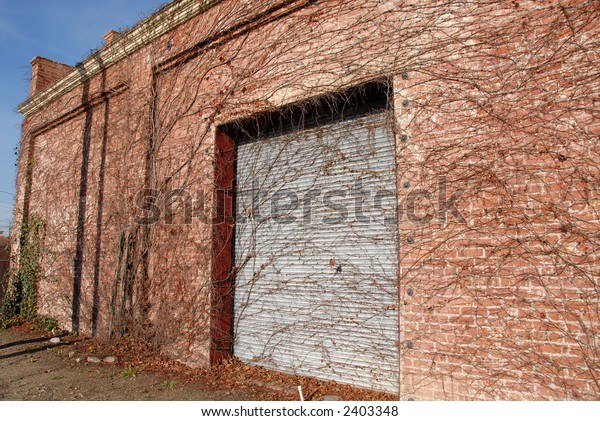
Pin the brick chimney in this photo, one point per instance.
(111, 36)
(44, 73)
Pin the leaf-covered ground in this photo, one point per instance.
(34, 369)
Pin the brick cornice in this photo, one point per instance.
(148, 30)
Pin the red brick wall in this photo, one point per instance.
(497, 101)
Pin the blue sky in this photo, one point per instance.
(62, 30)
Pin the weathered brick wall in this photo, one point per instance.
(499, 101)
(54, 198)
(504, 304)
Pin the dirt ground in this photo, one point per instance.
(32, 368)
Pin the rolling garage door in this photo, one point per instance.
(316, 251)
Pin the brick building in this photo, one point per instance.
(397, 195)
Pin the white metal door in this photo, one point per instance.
(316, 253)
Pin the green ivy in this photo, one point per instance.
(21, 298)
(45, 323)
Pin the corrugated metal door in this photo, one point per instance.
(316, 253)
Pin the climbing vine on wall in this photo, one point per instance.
(496, 162)
(20, 299)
